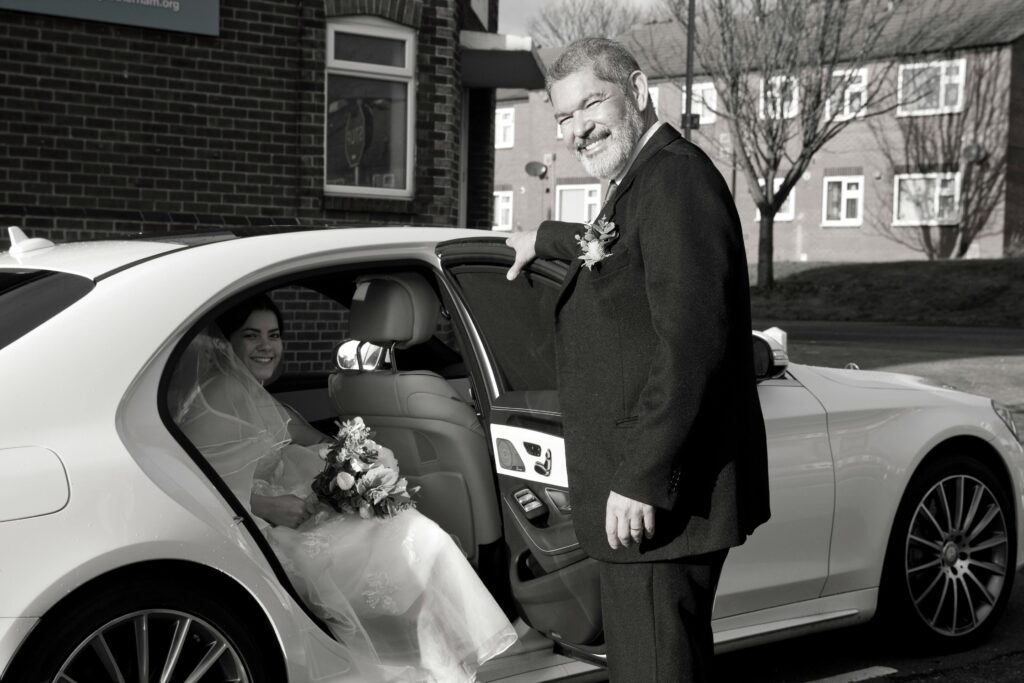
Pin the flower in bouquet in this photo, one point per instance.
(360, 477)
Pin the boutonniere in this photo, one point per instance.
(595, 241)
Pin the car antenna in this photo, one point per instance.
(23, 244)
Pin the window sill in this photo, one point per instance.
(395, 205)
(841, 224)
(924, 224)
(928, 112)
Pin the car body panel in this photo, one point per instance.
(871, 473)
(843, 446)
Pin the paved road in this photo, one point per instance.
(925, 339)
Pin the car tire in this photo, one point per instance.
(144, 627)
(951, 557)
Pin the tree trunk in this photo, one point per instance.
(765, 253)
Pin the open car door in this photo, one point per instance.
(509, 326)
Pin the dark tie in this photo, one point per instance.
(612, 186)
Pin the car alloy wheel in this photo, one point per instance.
(956, 560)
(165, 622)
(950, 565)
(167, 645)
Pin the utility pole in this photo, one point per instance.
(687, 120)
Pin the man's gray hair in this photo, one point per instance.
(610, 61)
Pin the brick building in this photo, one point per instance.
(852, 204)
(128, 117)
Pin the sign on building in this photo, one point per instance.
(186, 16)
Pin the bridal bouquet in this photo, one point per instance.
(360, 478)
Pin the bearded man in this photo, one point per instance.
(664, 436)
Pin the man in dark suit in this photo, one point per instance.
(663, 429)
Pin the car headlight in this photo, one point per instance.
(1007, 417)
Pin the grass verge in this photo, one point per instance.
(977, 293)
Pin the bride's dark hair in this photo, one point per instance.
(232, 319)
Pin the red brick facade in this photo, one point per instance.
(111, 130)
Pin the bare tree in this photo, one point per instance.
(972, 142)
(564, 21)
(789, 78)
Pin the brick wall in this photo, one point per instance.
(111, 130)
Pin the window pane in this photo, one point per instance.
(922, 91)
(571, 206)
(353, 47)
(911, 198)
(833, 210)
(367, 131)
(851, 208)
(515, 319)
(951, 95)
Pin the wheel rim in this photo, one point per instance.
(155, 645)
(956, 555)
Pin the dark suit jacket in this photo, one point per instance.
(655, 368)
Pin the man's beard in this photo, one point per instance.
(618, 146)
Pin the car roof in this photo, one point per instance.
(95, 259)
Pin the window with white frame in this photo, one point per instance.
(370, 110)
(848, 95)
(926, 199)
(502, 210)
(779, 97)
(787, 211)
(931, 88)
(842, 201)
(577, 203)
(504, 127)
(705, 101)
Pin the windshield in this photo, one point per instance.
(29, 297)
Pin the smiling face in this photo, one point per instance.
(258, 344)
(600, 122)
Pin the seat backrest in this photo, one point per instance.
(435, 435)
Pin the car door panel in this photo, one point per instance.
(786, 559)
(554, 584)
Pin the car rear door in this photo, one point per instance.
(509, 326)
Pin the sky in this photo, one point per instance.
(514, 15)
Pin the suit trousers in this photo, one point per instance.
(657, 618)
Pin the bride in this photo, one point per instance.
(397, 592)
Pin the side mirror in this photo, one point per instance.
(356, 355)
(770, 359)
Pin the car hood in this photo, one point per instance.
(871, 379)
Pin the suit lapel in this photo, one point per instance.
(665, 135)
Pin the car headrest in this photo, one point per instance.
(393, 308)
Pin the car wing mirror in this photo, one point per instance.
(353, 354)
(770, 359)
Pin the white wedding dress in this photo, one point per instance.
(397, 593)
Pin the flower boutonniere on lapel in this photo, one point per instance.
(596, 240)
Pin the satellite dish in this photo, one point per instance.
(536, 169)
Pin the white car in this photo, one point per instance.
(124, 556)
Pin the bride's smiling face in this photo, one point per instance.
(258, 343)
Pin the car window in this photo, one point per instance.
(314, 324)
(30, 297)
(516, 320)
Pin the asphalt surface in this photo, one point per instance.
(956, 341)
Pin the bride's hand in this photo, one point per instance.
(287, 510)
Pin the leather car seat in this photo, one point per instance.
(436, 436)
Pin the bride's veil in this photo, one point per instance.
(225, 412)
